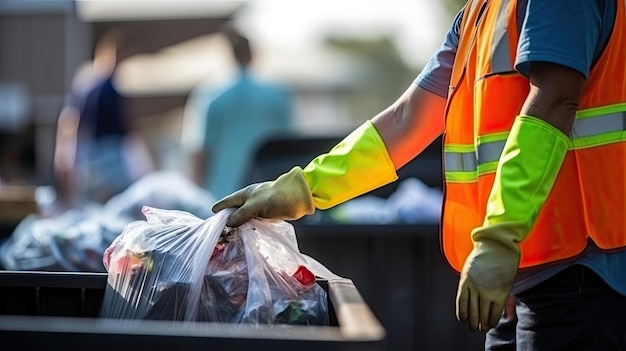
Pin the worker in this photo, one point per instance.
(530, 97)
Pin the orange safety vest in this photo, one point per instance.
(588, 199)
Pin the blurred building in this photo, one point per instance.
(44, 42)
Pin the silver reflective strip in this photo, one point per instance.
(599, 125)
(460, 161)
(501, 60)
(490, 152)
(470, 160)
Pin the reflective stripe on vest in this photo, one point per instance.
(501, 60)
(599, 126)
(592, 127)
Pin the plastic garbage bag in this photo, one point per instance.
(164, 189)
(73, 241)
(175, 266)
(413, 202)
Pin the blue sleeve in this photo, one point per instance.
(435, 77)
(565, 32)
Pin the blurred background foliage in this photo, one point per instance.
(389, 73)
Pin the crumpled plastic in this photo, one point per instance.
(413, 202)
(175, 266)
(166, 189)
(73, 240)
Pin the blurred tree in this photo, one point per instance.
(387, 75)
(381, 82)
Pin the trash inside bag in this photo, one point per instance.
(175, 266)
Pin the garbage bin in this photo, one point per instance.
(58, 310)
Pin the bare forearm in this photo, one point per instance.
(554, 95)
(411, 124)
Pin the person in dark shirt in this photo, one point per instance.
(94, 136)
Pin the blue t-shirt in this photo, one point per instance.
(238, 120)
(569, 33)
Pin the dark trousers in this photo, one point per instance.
(574, 310)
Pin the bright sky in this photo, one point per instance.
(418, 25)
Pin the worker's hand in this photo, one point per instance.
(486, 281)
(286, 198)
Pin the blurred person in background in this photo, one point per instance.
(531, 98)
(98, 154)
(234, 121)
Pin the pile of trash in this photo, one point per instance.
(74, 240)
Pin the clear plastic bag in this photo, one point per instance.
(165, 189)
(175, 266)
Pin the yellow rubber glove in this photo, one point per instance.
(528, 167)
(356, 165)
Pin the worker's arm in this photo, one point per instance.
(412, 123)
(365, 160)
(528, 167)
(555, 92)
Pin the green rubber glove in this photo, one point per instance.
(286, 198)
(356, 165)
(528, 167)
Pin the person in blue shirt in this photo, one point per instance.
(237, 120)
